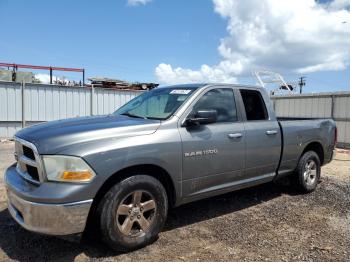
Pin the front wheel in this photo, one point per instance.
(308, 172)
(133, 212)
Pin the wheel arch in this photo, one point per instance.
(317, 148)
(152, 170)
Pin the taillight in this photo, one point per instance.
(335, 135)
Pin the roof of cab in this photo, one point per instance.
(201, 85)
(188, 86)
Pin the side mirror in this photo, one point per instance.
(202, 117)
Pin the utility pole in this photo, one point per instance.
(301, 83)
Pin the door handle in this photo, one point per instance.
(235, 135)
(271, 132)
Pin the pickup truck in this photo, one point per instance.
(120, 173)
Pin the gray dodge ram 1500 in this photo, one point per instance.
(164, 148)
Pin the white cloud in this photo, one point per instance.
(45, 78)
(138, 2)
(293, 36)
(339, 4)
(166, 74)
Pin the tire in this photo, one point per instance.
(128, 218)
(308, 172)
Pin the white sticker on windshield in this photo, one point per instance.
(180, 91)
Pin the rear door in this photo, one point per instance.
(263, 137)
(213, 154)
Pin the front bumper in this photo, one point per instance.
(47, 218)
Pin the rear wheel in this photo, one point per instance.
(133, 212)
(308, 172)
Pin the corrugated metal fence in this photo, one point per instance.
(42, 103)
(334, 105)
(49, 102)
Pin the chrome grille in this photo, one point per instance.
(28, 161)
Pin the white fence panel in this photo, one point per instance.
(10, 102)
(107, 101)
(46, 102)
(50, 102)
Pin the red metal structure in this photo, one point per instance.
(50, 68)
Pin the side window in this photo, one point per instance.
(222, 100)
(254, 105)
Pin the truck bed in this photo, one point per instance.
(297, 133)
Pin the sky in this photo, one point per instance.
(182, 41)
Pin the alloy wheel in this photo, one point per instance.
(136, 213)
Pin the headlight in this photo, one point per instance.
(67, 169)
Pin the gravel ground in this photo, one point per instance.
(268, 222)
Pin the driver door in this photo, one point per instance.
(213, 154)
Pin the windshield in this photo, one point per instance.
(159, 103)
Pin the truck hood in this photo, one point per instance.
(53, 137)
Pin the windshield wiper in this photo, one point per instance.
(143, 117)
(131, 115)
(154, 118)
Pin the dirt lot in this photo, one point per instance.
(269, 222)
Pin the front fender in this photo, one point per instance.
(107, 157)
